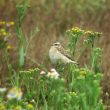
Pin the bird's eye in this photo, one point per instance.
(56, 44)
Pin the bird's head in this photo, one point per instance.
(56, 44)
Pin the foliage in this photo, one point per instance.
(24, 41)
(74, 89)
(68, 88)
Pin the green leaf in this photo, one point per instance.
(19, 32)
(22, 57)
(33, 33)
(2, 44)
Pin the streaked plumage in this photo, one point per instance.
(58, 53)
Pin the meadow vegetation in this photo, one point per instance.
(30, 85)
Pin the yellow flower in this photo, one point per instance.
(73, 93)
(12, 23)
(18, 108)
(88, 32)
(9, 47)
(2, 107)
(72, 29)
(3, 22)
(2, 30)
(4, 33)
(83, 73)
(15, 93)
(98, 34)
(77, 30)
(30, 106)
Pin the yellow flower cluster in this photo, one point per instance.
(76, 30)
(95, 34)
(7, 24)
(73, 93)
(4, 34)
(2, 106)
(12, 23)
(30, 107)
(88, 32)
(98, 34)
(9, 47)
(17, 107)
(15, 93)
(83, 73)
(2, 22)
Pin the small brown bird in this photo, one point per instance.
(58, 53)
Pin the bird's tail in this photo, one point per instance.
(74, 62)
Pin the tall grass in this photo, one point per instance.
(73, 88)
(70, 87)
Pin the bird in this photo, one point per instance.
(58, 53)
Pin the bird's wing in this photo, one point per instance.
(64, 52)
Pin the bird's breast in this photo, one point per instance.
(53, 54)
